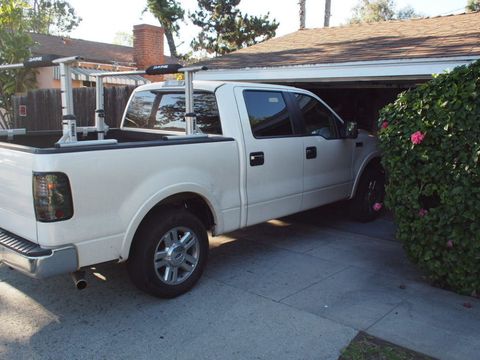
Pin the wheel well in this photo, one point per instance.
(191, 202)
(374, 163)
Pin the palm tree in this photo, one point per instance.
(301, 3)
(328, 5)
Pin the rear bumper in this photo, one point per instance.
(35, 261)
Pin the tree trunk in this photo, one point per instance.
(5, 119)
(328, 4)
(302, 13)
(171, 43)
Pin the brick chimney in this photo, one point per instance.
(148, 47)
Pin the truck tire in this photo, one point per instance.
(370, 190)
(169, 253)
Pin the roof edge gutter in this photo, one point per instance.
(421, 68)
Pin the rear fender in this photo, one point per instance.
(156, 199)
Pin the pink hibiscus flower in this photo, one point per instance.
(377, 207)
(422, 212)
(417, 137)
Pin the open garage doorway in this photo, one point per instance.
(358, 101)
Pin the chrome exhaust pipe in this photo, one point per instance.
(79, 279)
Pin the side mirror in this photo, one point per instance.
(351, 130)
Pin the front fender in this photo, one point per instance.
(157, 198)
(361, 169)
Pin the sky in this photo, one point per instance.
(102, 19)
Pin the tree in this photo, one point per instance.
(168, 13)
(407, 12)
(328, 13)
(301, 13)
(473, 5)
(52, 17)
(123, 38)
(17, 19)
(15, 44)
(225, 28)
(379, 10)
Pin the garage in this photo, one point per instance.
(356, 69)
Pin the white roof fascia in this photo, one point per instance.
(347, 71)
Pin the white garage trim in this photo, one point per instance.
(402, 69)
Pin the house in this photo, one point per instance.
(148, 49)
(357, 69)
(41, 110)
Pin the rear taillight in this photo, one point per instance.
(52, 197)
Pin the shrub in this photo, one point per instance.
(430, 138)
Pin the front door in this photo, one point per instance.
(327, 173)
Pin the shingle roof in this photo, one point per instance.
(446, 36)
(90, 50)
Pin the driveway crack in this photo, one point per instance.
(316, 282)
(384, 316)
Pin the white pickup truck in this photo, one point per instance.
(150, 197)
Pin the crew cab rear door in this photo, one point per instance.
(273, 151)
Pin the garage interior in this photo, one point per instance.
(359, 101)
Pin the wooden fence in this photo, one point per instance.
(42, 109)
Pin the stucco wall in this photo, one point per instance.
(45, 79)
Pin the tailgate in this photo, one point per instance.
(16, 195)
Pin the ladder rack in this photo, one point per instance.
(190, 117)
(69, 123)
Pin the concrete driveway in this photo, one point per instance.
(296, 288)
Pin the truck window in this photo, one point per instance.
(268, 113)
(156, 110)
(318, 119)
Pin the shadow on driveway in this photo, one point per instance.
(297, 287)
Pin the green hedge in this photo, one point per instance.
(430, 138)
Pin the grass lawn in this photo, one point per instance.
(367, 347)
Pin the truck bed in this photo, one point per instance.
(41, 142)
(114, 186)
